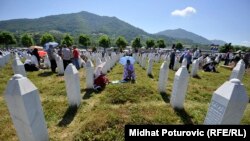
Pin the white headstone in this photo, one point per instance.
(105, 67)
(46, 62)
(144, 62)
(80, 62)
(108, 63)
(217, 59)
(18, 67)
(195, 67)
(228, 104)
(163, 77)
(150, 66)
(98, 61)
(72, 82)
(34, 60)
(89, 75)
(16, 56)
(25, 109)
(140, 60)
(184, 62)
(2, 63)
(59, 63)
(179, 87)
(238, 70)
(176, 64)
(157, 58)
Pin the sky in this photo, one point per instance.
(227, 20)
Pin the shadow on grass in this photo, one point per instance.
(185, 117)
(197, 77)
(150, 76)
(68, 116)
(46, 73)
(165, 97)
(89, 92)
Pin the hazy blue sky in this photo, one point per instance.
(228, 20)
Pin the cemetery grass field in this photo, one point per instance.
(102, 116)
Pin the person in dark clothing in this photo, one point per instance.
(188, 57)
(246, 59)
(51, 55)
(172, 59)
(29, 66)
(35, 53)
(209, 67)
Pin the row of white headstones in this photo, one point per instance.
(229, 101)
(4, 58)
(227, 105)
(21, 94)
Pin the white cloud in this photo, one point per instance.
(184, 12)
(245, 43)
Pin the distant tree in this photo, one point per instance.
(227, 47)
(121, 42)
(47, 37)
(27, 40)
(160, 43)
(68, 40)
(7, 38)
(104, 41)
(84, 40)
(179, 46)
(36, 38)
(236, 48)
(93, 49)
(136, 43)
(243, 49)
(248, 49)
(150, 43)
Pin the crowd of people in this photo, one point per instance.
(207, 62)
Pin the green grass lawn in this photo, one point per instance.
(102, 116)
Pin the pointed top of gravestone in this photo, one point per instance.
(184, 63)
(16, 56)
(70, 69)
(167, 57)
(17, 76)
(241, 62)
(234, 80)
(164, 65)
(89, 63)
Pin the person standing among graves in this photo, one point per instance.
(196, 54)
(188, 57)
(66, 56)
(129, 72)
(246, 59)
(172, 58)
(60, 51)
(51, 55)
(75, 57)
(35, 53)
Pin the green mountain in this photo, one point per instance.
(183, 34)
(218, 42)
(77, 23)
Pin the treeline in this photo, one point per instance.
(229, 47)
(83, 40)
(8, 39)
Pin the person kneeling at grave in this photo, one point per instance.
(129, 72)
(209, 67)
(30, 66)
(100, 79)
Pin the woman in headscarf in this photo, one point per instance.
(129, 73)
